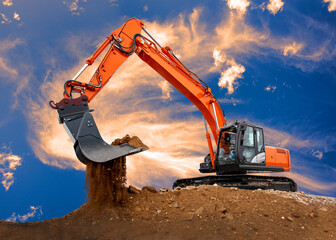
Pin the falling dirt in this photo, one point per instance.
(105, 182)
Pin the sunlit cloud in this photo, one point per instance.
(332, 5)
(318, 154)
(228, 77)
(73, 6)
(232, 72)
(4, 19)
(33, 212)
(218, 57)
(275, 6)
(292, 48)
(8, 164)
(270, 88)
(16, 16)
(238, 5)
(7, 3)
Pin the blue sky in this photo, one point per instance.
(269, 62)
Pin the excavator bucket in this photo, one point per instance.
(88, 143)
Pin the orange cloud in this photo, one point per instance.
(5, 46)
(292, 48)
(34, 212)
(270, 88)
(4, 19)
(275, 6)
(16, 16)
(239, 5)
(332, 5)
(7, 3)
(229, 76)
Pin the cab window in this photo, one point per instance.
(260, 139)
(247, 137)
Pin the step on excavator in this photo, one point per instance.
(240, 150)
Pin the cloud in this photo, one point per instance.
(218, 57)
(8, 164)
(229, 76)
(5, 46)
(34, 212)
(5, 69)
(16, 16)
(145, 8)
(311, 183)
(318, 154)
(275, 6)
(73, 6)
(239, 5)
(5, 19)
(284, 139)
(292, 48)
(11, 71)
(270, 88)
(7, 3)
(332, 5)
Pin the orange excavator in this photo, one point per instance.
(240, 146)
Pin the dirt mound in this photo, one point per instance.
(133, 141)
(105, 182)
(206, 212)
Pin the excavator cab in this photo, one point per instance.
(241, 149)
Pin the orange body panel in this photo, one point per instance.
(277, 157)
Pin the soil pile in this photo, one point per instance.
(205, 212)
(105, 182)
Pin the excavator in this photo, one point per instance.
(240, 150)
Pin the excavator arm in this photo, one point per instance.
(75, 115)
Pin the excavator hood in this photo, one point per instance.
(78, 121)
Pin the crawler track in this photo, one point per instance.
(243, 181)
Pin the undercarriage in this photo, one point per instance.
(242, 181)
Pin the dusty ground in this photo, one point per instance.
(207, 212)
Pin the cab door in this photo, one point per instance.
(246, 142)
(251, 145)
